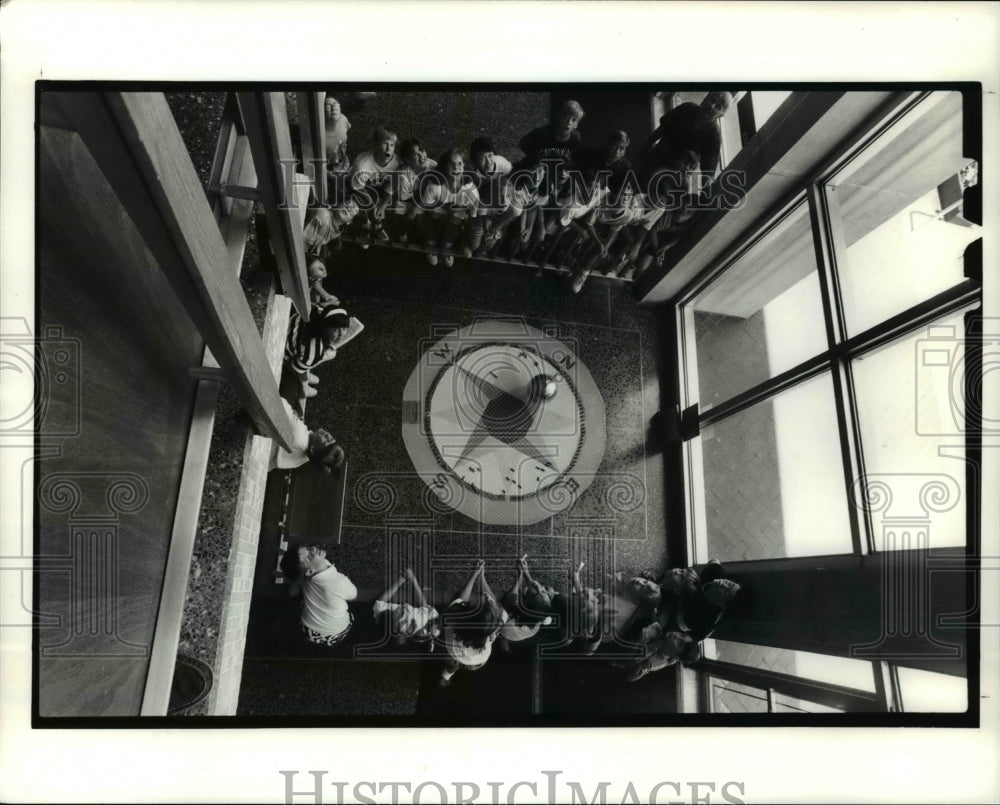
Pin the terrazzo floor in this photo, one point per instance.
(389, 525)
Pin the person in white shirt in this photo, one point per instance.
(450, 199)
(336, 128)
(317, 447)
(413, 162)
(371, 173)
(470, 630)
(490, 171)
(529, 603)
(326, 620)
(406, 621)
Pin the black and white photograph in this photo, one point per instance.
(608, 414)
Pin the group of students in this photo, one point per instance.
(661, 623)
(579, 208)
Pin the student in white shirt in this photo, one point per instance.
(326, 620)
(450, 199)
(370, 179)
(317, 447)
(413, 162)
(529, 604)
(471, 629)
(406, 621)
(489, 173)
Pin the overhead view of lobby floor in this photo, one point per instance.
(389, 522)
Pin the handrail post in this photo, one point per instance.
(312, 139)
(266, 121)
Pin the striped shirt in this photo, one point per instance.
(310, 342)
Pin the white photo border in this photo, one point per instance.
(517, 41)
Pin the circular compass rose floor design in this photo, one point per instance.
(503, 422)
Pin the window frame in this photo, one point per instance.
(841, 697)
(842, 348)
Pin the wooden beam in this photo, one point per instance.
(312, 138)
(266, 122)
(236, 214)
(167, 633)
(134, 139)
(222, 159)
(232, 166)
(237, 191)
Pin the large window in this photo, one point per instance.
(824, 361)
(825, 356)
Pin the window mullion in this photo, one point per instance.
(693, 479)
(748, 123)
(830, 252)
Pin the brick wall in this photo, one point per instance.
(217, 605)
(239, 581)
(246, 532)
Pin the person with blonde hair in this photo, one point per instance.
(553, 146)
(371, 176)
(406, 621)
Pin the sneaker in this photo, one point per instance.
(449, 260)
(432, 258)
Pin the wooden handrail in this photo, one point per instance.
(134, 139)
(266, 121)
